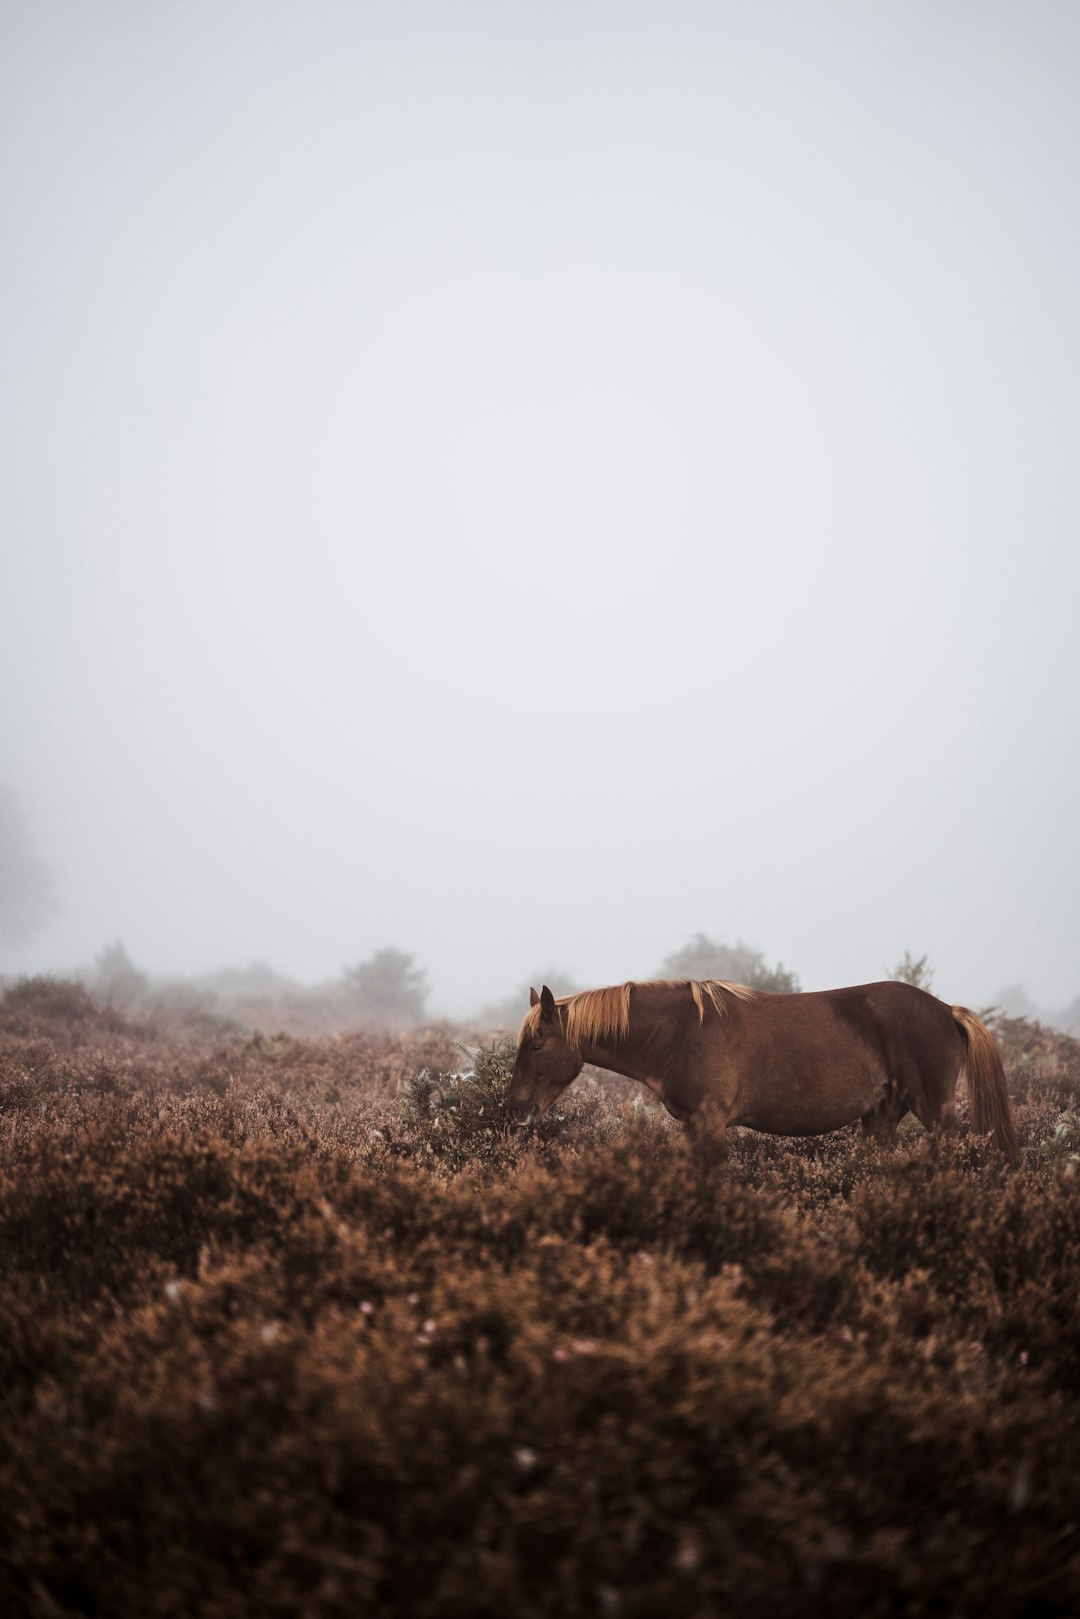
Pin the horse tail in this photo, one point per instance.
(991, 1110)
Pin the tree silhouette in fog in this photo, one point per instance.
(914, 970)
(387, 988)
(735, 963)
(27, 897)
(117, 979)
(508, 1012)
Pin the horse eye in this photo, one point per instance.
(536, 1045)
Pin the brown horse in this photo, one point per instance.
(798, 1065)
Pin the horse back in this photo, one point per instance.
(807, 1062)
(906, 1026)
(884, 1018)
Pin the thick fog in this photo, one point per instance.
(524, 483)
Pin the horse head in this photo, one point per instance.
(545, 1063)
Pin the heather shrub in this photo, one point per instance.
(1041, 1061)
(463, 1111)
(56, 1000)
(60, 1008)
(305, 1327)
(460, 1119)
(1063, 1146)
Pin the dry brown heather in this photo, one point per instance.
(283, 1335)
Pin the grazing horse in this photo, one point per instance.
(795, 1065)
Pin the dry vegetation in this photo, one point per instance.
(295, 1326)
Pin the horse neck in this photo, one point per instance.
(659, 1015)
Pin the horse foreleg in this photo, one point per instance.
(708, 1122)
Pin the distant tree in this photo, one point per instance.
(116, 978)
(1069, 1019)
(27, 894)
(257, 978)
(1015, 1002)
(508, 1012)
(387, 988)
(736, 964)
(909, 971)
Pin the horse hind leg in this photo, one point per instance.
(945, 1126)
(934, 1105)
(879, 1122)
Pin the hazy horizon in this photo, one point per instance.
(529, 484)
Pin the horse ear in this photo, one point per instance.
(534, 999)
(547, 1004)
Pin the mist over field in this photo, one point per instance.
(521, 486)
(510, 494)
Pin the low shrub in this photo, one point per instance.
(307, 1327)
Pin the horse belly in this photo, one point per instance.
(809, 1099)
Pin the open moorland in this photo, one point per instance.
(301, 1326)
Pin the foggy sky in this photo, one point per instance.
(526, 482)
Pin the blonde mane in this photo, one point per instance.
(602, 1016)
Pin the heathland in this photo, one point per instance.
(302, 1326)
